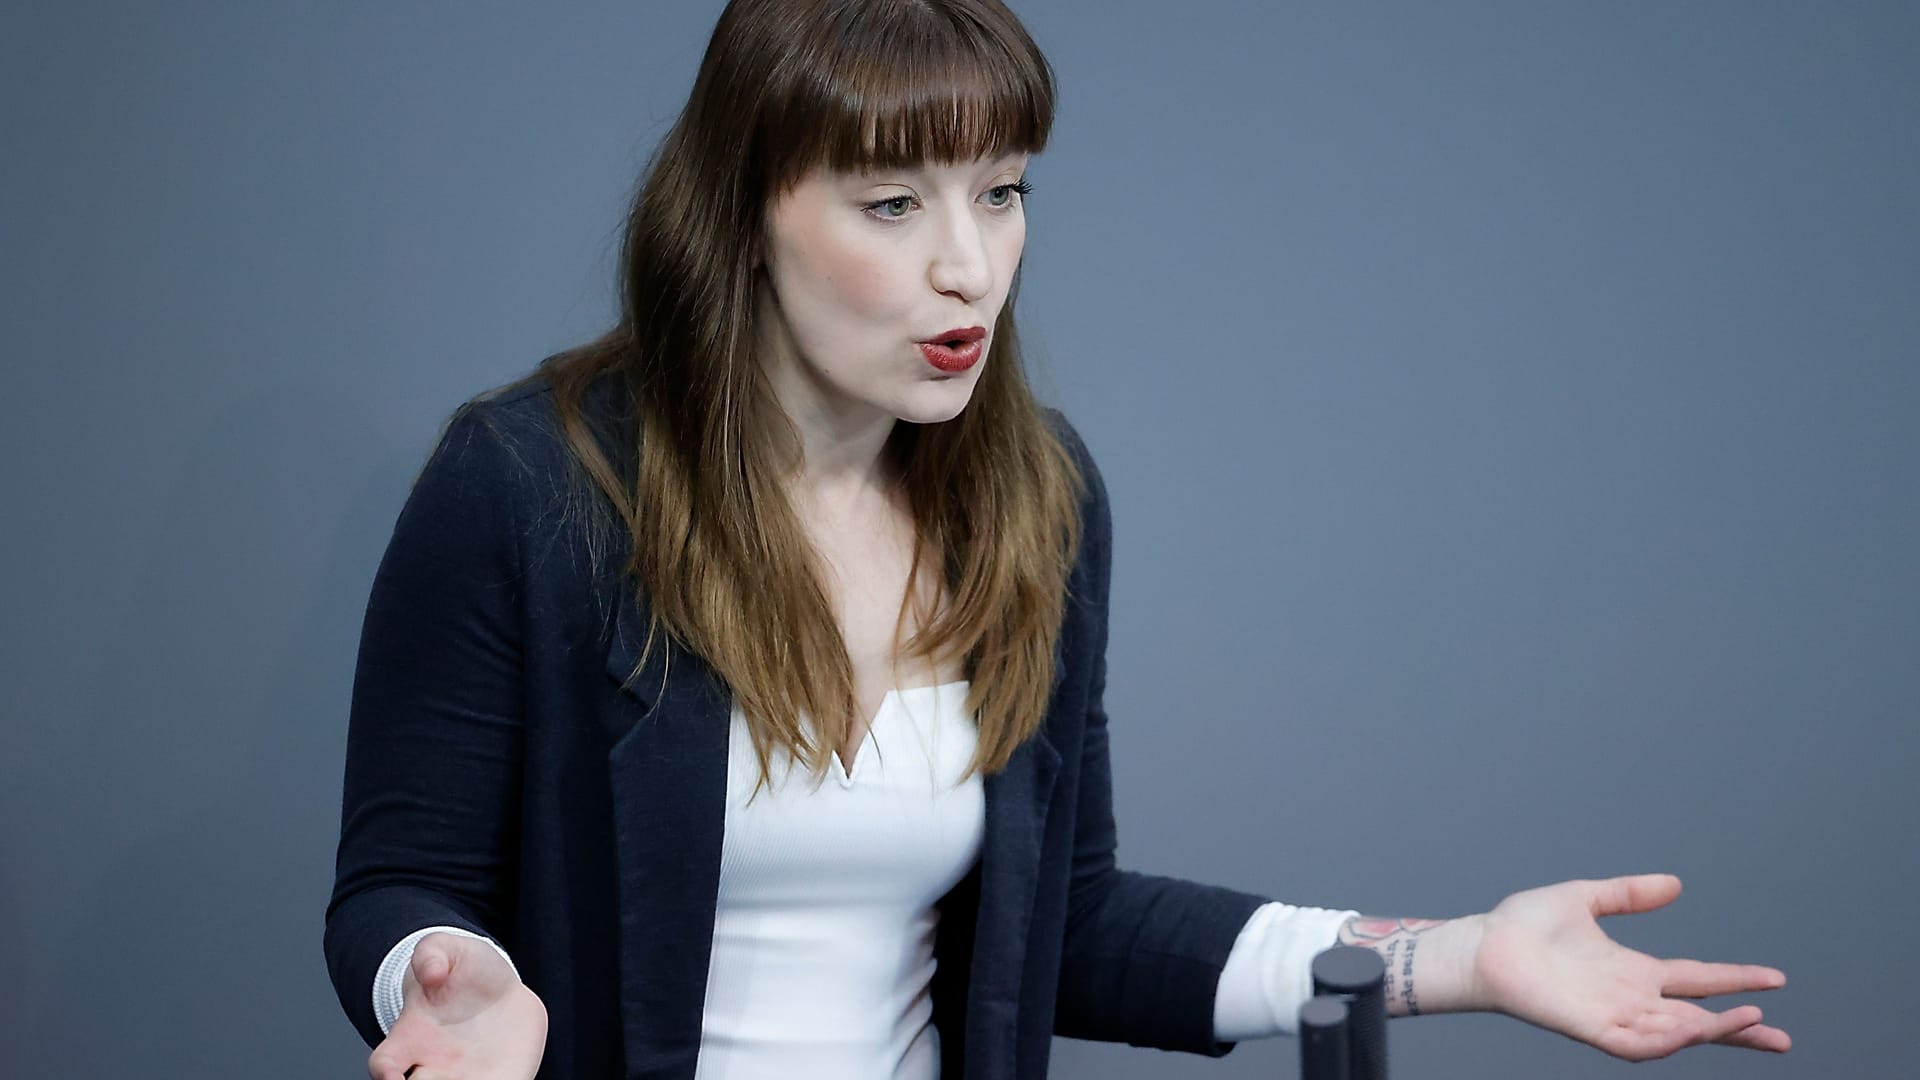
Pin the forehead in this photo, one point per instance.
(891, 118)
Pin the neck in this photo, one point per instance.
(842, 448)
(842, 458)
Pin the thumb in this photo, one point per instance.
(432, 965)
(1632, 894)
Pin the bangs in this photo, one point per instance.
(900, 84)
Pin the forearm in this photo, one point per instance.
(1141, 964)
(1430, 962)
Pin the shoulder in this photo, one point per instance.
(1093, 549)
(1093, 496)
(519, 415)
(514, 430)
(488, 446)
(1068, 435)
(501, 462)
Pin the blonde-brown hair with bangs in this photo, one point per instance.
(696, 475)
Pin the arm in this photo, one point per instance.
(1538, 956)
(433, 746)
(1268, 976)
(1429, 961)
(1145, 957)
(1142, 954)
(1541, 956)
(389, 990)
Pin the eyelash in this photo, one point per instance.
(1022, 187)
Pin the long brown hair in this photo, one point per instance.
(697, 478)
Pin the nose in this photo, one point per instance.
(960, 264)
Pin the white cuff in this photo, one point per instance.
(1269, 973)
(389, 983)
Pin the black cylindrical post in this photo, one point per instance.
(1359, 977)
(1324, 1040)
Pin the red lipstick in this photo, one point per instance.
(954, 350)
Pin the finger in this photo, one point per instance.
(1693, 979)
(1759, 1037)
(1712, 1027)
(1686, 1025)
(1676, 1026)
(388, 1069)
(1632, 894)
(387, 1063)
(431, 963)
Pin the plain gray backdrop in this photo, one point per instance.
(1511, 412)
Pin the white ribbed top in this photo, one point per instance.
(823, 938)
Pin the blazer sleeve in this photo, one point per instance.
(1143, 954)
(431, 791)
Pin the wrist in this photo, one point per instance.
(1458, 951)
(1431, 963)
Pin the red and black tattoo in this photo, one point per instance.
(1387, 937)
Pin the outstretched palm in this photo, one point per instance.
(1543, 958)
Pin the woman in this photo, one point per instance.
(797, 518)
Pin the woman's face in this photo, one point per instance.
(861, 267)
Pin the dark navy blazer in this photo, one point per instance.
(500, 777)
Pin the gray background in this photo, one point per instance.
(1509, 409)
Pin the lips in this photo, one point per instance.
(954, 351)
(954, 358)
(956, 337)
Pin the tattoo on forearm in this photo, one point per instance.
(1387, 937)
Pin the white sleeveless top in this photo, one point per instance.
(823, 937)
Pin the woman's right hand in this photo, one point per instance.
(466, 1016)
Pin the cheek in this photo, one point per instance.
(1007, 251)
(866, 283)
(850, 277)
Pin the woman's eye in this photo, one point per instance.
(999, 197)
(1007, 193)
(901, 200)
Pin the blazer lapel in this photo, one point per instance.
(668, 772)
(669, 781)
(1016, 798)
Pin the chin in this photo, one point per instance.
(936, 402)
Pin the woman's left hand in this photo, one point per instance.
(1543, 958)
